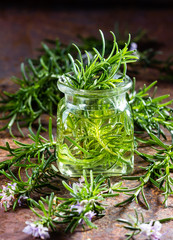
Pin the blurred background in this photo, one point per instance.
(88, 4)
(25, 24)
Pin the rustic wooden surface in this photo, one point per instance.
(21, 33)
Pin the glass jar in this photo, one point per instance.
(95, 131)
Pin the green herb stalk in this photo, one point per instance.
(137, 225)
(100, 72)
(34, 164)
(37, 93)
(87, 200)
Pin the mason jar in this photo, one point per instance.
(95, 131)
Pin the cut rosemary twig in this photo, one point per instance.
(33, 163)
(137, 225)
(37, 91)
(86, 200)
(158, 172)
(40, 146)
(149, 113)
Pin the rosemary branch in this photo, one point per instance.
(38, 94)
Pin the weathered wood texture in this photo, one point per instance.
(20, 35)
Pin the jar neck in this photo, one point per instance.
(96, 99)
(100, 103)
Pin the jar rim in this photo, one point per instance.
(121, 88)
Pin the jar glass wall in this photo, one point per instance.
(95, 131)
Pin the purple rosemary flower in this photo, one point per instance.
(36, 230)
(151, 230)
(80, 182)
(7, 195)
(133, 46)
(77, 208)
(90, 215)
(22, 200)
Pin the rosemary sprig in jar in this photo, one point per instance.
(101, 71)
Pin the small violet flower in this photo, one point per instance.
(77, 208)
(7, 195)
(36, 230)
(22, 200)
(150, 230)
(80, 182)
(90, 215)
(133, 46)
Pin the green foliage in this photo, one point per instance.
(133, 224)
(149, 113)
(100, 72)
(33, 163)
(86, 200)
(157, 172)
(37, 93)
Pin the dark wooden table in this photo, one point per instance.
(21, 33)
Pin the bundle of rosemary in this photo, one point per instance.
(37, 160)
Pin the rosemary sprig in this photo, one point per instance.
(150, 115)
(31, 178)
(40, 146)
(158, 172)
(86, 201)
(34, 164)
(137, 225)
(100, 72)
(37, 91)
